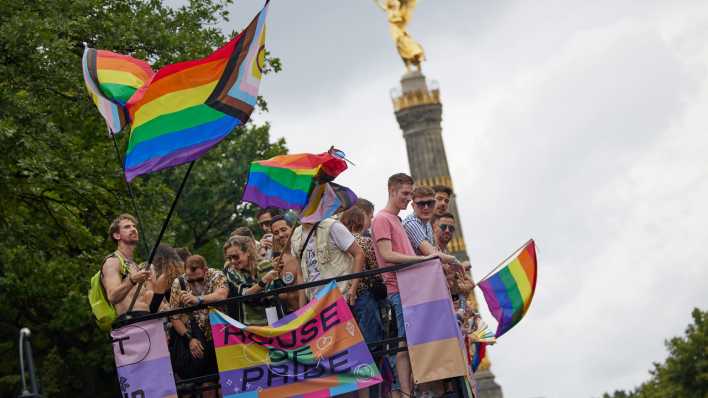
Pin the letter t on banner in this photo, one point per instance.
(143, 360)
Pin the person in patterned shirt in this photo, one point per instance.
(366, 306)
(244, 278)
(199, 285)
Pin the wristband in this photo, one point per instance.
(261, 284)
(188, 335)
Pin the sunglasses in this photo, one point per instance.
(447, 227)
(425, 203)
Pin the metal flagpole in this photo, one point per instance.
(131, 194)
(162, 232)
(503, 262)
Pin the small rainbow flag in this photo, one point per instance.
(327, 200)
(286, 181)
(480, 351)
(189, 107)
(509, 292)
(112, 79)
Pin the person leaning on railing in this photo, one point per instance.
(199, 285)
(243, 279)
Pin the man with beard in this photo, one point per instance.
(284, 262)
(443, 195)
(121, 276)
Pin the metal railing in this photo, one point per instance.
(387, 346)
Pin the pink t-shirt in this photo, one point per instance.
(388, 226)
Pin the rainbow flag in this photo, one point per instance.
(286, 181)
(317, 351)
(111, 79)
(509, 292)
(480, 351)
(327, 200)
(189, 107)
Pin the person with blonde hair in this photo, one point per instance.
(242, 274)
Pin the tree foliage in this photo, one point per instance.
(684, 373)
(61, 184)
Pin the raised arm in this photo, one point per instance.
(116, 286)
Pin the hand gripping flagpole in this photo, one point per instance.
(502, 262)
(159, 237)
(130, 193)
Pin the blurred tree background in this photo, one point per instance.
(61, 183)
(684, 373)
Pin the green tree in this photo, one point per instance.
(61, 185)
(684, 373)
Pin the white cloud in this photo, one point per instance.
(581, 124)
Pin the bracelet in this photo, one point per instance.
(261, 284)
(131, 280)
(200, 300)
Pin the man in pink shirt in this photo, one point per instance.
(392, 246)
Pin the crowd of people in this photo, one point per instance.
(287, 254)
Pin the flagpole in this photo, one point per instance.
(143, 237)
(502, 262)
(162, 232)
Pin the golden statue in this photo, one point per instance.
(399, 13)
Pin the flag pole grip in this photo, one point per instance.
(502, 262)
(162, 232)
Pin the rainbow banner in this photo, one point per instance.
(286, 181)
(143, 360)
(431, 324)
(317, 351)
(111, 79)
(189, 107)
(325, 201)
(509, 292)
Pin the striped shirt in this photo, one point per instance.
(418, 231)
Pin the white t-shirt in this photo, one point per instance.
(339, 236)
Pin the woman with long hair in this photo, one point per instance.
(242, 274)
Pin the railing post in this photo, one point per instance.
(26, 354)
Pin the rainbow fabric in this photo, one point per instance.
(286, 181)
(509, 292)
(325, 201)
(189, 107)
(480, 351)
(317, 351)
(431, 324)
(111, 79)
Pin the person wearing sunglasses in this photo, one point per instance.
(418, 227)
(459, 277)
(444, 228)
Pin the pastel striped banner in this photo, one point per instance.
(317, 351)
(509, 292)
(143, 360)
(430, 322)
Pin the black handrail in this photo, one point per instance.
(249, 297)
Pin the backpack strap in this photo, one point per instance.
(309, 235)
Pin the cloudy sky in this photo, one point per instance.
(581, 124)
